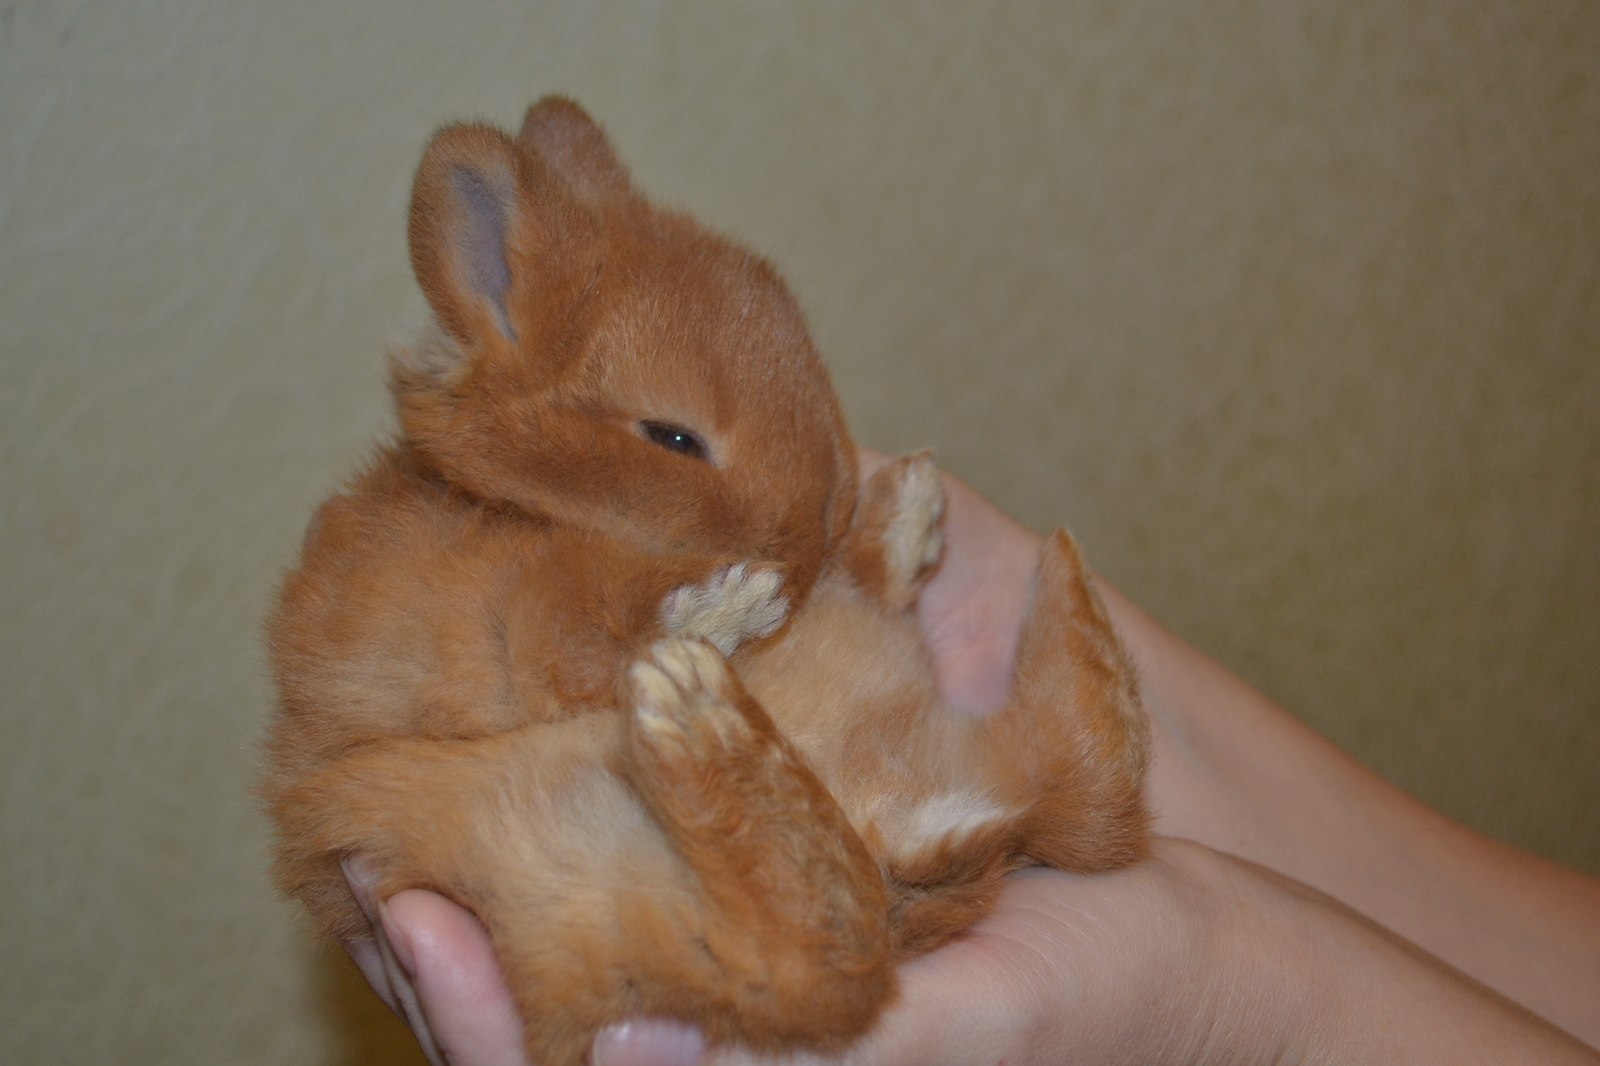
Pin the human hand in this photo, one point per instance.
(1189, 956)
(1065, 964)
(433, 964)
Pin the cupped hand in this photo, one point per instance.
(433, 963)
(1186, 956)
(1191, 955)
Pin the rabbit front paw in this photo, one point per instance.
(734, 604)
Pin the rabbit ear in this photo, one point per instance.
(471, 213)
(574, 148)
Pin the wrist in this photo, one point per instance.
(1239, 985)
(1179, 959)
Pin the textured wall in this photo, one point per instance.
(1292, 310)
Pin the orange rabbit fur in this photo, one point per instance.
(612, 647)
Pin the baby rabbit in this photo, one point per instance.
(613, 647)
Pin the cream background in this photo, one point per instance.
(1292, 310)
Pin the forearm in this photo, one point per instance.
(1236, 772)
(1341, 989)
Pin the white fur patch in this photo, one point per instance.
(947, 817)
(913, 539)
(431, 353)
(732, 606)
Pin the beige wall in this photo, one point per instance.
(1292, 310)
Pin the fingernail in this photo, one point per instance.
(363, 880)
(648, 1042)
(399, 941)
(368, 958)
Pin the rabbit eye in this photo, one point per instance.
(674, 439)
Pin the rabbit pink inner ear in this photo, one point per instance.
(470, 217)
(482, 225)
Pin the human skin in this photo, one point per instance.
(1204, 952)
(1192, 956)
(1234, 771)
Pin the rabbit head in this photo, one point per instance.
(611, 365)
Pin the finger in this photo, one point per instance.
(953, 1007)
(402, 977)
(364, 953)
(939, 1019)
(648, 1042)
(379, 962)
(462, 995)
